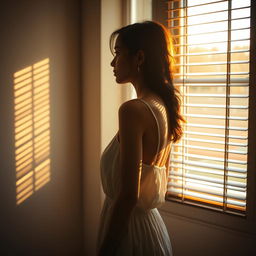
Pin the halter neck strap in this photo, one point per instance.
(158, 129)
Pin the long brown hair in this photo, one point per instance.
(155, 41)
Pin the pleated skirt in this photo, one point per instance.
(147, 234)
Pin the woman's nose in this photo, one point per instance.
(112, 63)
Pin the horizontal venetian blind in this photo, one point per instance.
(212, 43)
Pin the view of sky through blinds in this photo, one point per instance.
(212, 43)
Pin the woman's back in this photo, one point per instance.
(155, 120)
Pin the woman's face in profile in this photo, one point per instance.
(124, 64)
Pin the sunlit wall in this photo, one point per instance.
(40, 131)
(32, 128)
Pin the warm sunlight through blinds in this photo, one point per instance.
(212, 42)
(32, 128)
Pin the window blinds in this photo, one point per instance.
(212, 43)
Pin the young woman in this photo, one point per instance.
(134, 166)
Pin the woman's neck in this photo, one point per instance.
(141, 89)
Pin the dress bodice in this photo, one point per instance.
(153, 182)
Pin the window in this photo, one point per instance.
(212, 42)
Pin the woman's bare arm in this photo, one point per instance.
(130, 135)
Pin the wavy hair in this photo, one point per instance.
(156, 43)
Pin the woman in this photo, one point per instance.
(134, 166)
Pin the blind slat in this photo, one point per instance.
(238, 175)
(211, 63)
(208, 197)
(216, 95)
(214, 42)
(217, 117)
(202, 180)
(210, 53)
(206, 171)
(213, 191)
(216, 127)
(216, 135)
(204, 13)
(209, 22)
(216, 149)
(214, 74)
(236, 186)
(212, 141)
(214, 106)
(198, 5)
(185, 80)
(213, 166)
(203, 157)
(212, 32)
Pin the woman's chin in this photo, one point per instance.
(121, 81)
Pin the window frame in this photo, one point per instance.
(205, 215)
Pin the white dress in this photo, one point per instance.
(147, 234)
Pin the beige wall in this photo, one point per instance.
(91, 109)
(101, 100)
(197, 238)
(49, 221)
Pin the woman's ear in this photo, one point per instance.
(140, 57)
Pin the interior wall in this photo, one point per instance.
(49, 221)
(101, 100)
(91, 109)
(195, 238)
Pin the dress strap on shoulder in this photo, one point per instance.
(158, 129)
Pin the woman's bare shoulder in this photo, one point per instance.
(133, 112)
(134, 106)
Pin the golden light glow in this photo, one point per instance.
(212, 41)
(32, 129)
